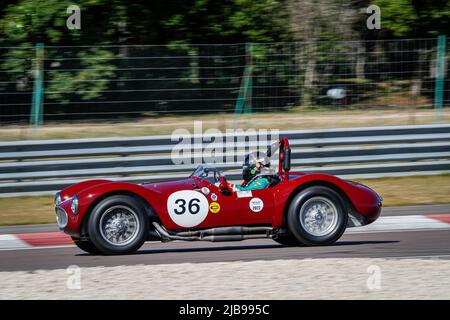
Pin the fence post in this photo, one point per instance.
(249, 74)
(36, 114)
(244, 100)
(439, 76)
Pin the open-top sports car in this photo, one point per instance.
(296, 208)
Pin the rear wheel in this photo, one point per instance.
(317, 216)
(86, 246)
(118, 225)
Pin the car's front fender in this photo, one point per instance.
(90, 196)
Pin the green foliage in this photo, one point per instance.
(95, 67)
(209, 21)
(259, 21)
(23, 23)
(398, 16)
(27, 22)
(19, 60)
(31, 21)
(409, 18)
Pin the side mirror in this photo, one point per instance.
(224, 187)
(225, 190)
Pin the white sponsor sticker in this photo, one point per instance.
(244, 194)
(256, 204)
(205, 190)
(187, 208)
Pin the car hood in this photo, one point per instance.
(159, 187)
(170, 186)
(80, 186)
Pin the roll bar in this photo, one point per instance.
(284, 157)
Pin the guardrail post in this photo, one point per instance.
(439, 76)
(36, 114)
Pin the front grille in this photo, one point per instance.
(61, 217)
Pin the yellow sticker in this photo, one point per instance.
(214, 207)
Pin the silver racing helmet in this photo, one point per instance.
(250, 168)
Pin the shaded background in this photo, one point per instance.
(195, 57)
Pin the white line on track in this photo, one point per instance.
(38, 248)
(10, 241)
(401, 223)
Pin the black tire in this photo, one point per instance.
(117, 205)
(287, 240)
(305, 203)
(86, 246)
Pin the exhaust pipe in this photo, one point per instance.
(236, 230)
(236, 233)
(233, 237)
(165, 235)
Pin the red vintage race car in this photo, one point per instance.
(296, 208)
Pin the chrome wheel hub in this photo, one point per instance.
(318, 216)
(119, 225)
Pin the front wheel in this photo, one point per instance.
(118, 225)
(317, 216)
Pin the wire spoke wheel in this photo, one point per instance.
(319, 216)
(119, 225)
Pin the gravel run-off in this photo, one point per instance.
(351, 278)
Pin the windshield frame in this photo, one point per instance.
(213, 173)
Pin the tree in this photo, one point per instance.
(28, 22)
(312, 21)
(227, 21)
(414, 18)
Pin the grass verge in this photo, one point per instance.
(289, 120)
(395, 191)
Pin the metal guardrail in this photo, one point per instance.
(43, 166)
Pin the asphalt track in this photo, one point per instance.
(399, 244)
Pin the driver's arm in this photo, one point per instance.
(257, 184)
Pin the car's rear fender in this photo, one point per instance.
(361, 202)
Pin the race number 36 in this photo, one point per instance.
(187, 208)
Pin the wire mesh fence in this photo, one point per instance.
(124, 80)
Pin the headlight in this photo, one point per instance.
(74, 205)
(58, 199)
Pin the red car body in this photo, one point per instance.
(234, 211)
(198, 208)
(363, 204)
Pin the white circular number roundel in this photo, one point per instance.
(187, 208)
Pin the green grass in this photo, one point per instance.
(27, 210)
(411, 190)
(395, 191)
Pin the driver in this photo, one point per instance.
(255, 172)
